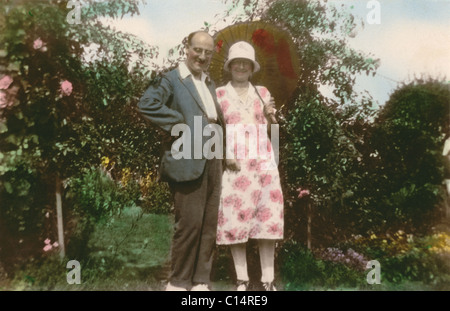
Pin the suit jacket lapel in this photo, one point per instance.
(190, 86)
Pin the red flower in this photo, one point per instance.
(302, 193)
(219, 46)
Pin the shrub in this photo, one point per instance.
(95, 197)
(156, 196)
(300, 269)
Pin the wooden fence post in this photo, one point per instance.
(308, 227)
(62, 249)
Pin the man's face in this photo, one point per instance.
(199, 53)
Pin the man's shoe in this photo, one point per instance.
(173, 288)
(202, 287)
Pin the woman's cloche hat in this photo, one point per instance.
(241, 49)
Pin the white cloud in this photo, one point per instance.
(137, 26)
(408, 47)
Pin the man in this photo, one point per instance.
(185, 95)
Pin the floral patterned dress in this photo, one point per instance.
(251, 205)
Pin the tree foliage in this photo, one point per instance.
(409, 137)
(67, 99)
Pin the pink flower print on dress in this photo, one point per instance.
(274, 229)
(224, 105)
(228, 200)
(254, 231)
(276, 196)
(233, 118)
(245, 215)
(231, 235)
(5, 82)
(253, 165)
(263, 92)
(263, 214)
(259, 115)
(220, 93)
(256, 197)
(221, 220)
(241, 183)
(237, 204)
(242, 234)
(265, 180)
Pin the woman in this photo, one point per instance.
(251, 204)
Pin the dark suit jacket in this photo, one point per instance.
(173, 101)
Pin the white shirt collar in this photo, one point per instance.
(185, 72)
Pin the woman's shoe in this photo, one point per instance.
(269, 286)
(242, 286)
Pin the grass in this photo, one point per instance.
(131, 252)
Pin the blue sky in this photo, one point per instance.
(412, 38)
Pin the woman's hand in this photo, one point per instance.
(269, 110)
(233, 165)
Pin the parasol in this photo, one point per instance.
(275, 52)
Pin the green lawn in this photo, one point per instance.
(132, 253)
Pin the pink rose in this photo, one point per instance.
(66, 88)
(276, 196)
(5, 82)
(47, 248)
(229, 200)
(302, 193)
(3, 101)
(241, 183)
(38, 44)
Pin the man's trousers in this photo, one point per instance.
(196, 206)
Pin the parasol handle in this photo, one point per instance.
(273, 119)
